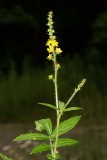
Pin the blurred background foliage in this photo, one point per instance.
(19, 95)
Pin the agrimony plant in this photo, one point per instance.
(50, 139)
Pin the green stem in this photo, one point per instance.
(56, 140)
(57, 106)
(55, 82)
(70, 99)
(52, 149)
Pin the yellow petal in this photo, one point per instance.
(50, 49)
(51, 42)
(58, 50)
(50, 57)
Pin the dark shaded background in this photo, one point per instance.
(23, 29)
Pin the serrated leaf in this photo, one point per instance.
(31, 136)
(72, 109)
(39, 126)
(41, 148)
(48, 105)
(44, 124)
(66, 125)
(4, 157)
(66, 142)
(61, 105)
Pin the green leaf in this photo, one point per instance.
(4, 157)
(66, 125)
(41, 148)
(49, 156)
(31, 136)
(39, 126)
(44, 124)
(48, 105)
(72, 109)
(61, 105)
(66, 142)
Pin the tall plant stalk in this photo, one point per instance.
(54, 50)
(52, 136)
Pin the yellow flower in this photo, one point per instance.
(50, 57)
(50, 49)
(48, 43)
(58, 50)
(52, 43)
